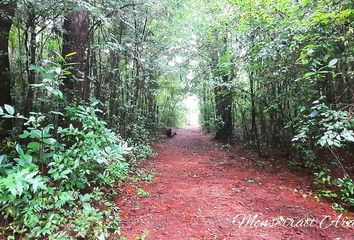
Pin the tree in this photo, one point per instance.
(75, 44)
(7, 12)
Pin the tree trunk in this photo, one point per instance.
(76, 39)
(31, 27)
(5, 25)
(223, 100)
(7, 10)
(223, 95)
(254, 130)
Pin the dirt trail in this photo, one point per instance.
(199, 189)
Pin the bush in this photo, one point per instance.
(324, 128)
(140, 140)
(46, 183)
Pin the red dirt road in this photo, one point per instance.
(200, 188)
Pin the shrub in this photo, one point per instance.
(324, 128)
(45, 182)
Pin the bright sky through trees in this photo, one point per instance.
(192, 105)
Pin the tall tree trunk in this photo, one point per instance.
(223, 95)
(76, 39)
(254, 130)
(31, 27)
(7, 11)
(223, 100)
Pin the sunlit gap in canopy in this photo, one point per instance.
(191, 103)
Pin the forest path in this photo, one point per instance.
(199, 188)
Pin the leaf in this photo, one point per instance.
(3, 159)
(57, 70)
(313, 114)
(1, 111)
(20, 150)
(49, 141)
(309, 74)
(37, 183)
(85, 198)
(49, 89)
(56, 113)
(333, 63)
(36, 134)
(24, 135)
(70, 54)
(38, 85)
(59, 56)
(66, 72)
(65, 173)
(348, 135)
(9, 109)
(34, 146)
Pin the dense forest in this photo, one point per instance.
(85, 86)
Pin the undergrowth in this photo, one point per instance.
(59, 174)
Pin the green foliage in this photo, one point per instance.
(328, 128)
(324, 127)
(211, 125)
(142, 193)
(341, 190)
(265, 62)
(52, 75)
(290, 68)
(64, 147)
(169, 98)
(41, 177)
(139, 140)
(88, 148)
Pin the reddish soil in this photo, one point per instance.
(199, 188)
